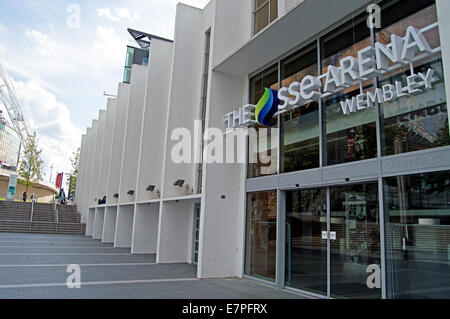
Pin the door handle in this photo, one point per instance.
(333, 235)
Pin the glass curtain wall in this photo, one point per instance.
(414, 122)
(263, 148)
(300, 127)
(352, 137)
(416, 207)
(417, 214)
(261, 235)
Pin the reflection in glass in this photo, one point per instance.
(417, 210)
(261, 235)
(348, 137)
(306, 251)
(415, 122)
(355, 219)
(263, 149)
(300, 127)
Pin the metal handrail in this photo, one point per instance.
(32, 211)
(31, 216)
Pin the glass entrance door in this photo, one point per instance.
(333, 241)
(354, 241)
(306, 248)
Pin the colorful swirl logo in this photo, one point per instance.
(267, 107)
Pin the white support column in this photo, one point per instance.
(124, 226)
(99, 219)
(115, 166)
(90, 222)
(175, 232)
(109, 225)
(145, 229)
(443, 9)
(133, 131)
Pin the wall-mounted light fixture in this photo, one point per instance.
(179, 182)
(130, 192)
(150, 188)
(116, 195)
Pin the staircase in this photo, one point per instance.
(15, 217)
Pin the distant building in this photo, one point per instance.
(9, 145)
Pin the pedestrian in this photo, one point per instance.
(62, 197)
(32, 198)
(24, 197)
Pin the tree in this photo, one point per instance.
(74, 173)
(30, 169)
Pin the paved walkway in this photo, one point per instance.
(34, 266)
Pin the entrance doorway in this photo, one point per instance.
(333, 240)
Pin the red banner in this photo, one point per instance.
(59, 178)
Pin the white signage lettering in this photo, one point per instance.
(369, 63)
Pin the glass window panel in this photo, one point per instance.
(261, 235)
(259, 3)
(417, 210)
(129, 57)
(420, 121)
(262, 18)
(355, 220)
(306, 250)
(348, 137)
(263, 148)
(273, 10)
(300, 127)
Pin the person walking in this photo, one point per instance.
(24, 197)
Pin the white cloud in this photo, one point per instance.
(109, 49)
(58, 136)
(106, 13)
(119, 15)
(43, 45)
(123, 13)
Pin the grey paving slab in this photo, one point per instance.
(34, 266)
(197, 289)
(70, 259)
(55, 238)
(34, 275)
(61, 250)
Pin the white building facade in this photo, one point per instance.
(345, 192)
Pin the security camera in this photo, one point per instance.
(150, 188)
(131, 192)
(179, 182)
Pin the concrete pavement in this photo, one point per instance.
(34, 266)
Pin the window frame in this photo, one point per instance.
(256, 10)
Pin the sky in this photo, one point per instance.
(64, 55)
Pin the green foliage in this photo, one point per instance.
(30, 170)
(75, 163)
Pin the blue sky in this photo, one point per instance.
(61, 68)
